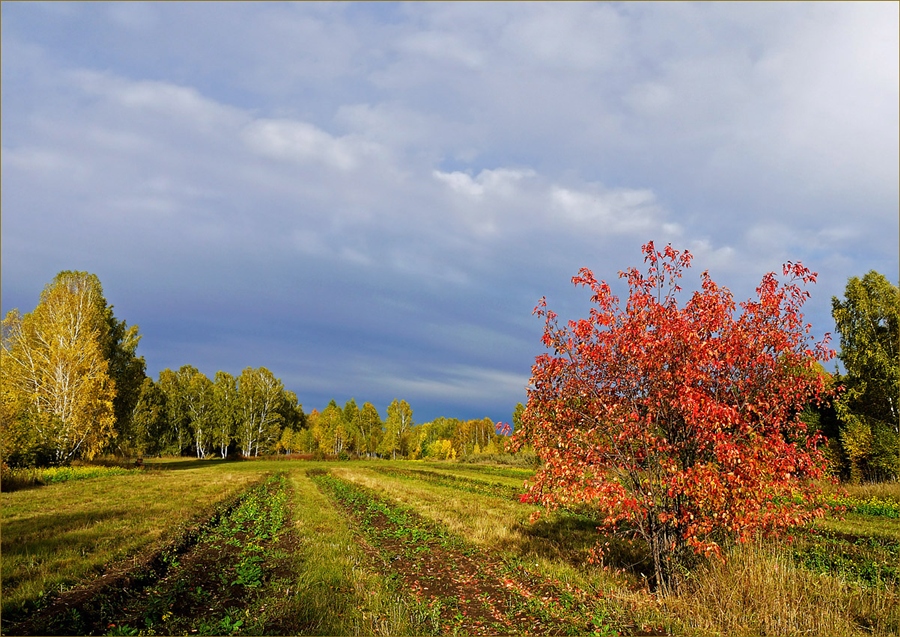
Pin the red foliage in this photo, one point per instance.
(681, 425)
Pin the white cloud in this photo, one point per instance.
(35, 160)
(584, 37)
(719, 261)
(300, 141)
(444, 47)
(500, 182)
(133, 15)
(616, 211)
(182, 104)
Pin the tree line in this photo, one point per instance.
(184, 412)
(72, 386)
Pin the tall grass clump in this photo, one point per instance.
(873, 505)
(759, 591)
(879, 490)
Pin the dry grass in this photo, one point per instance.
(881, 490)
(488, 522)
(759, 591)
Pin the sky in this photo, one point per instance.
(370, 199)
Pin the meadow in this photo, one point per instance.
(405, 548)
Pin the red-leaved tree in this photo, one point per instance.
(680, 425)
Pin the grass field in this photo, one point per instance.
(404, 548)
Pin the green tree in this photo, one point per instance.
(291, 411)
(473, 435)
(176, 437)
(440, 449)
(332, 434)
(199, 400)
(148, 420)
(518, 412)
(128, 372)
(57, 390)
(287, 442)
(305, 440)
(190, 410)
(355, 437)
(868, 320)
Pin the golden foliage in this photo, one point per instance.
(56, 389)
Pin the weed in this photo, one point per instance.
(873, 505)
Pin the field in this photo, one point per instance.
(401, 548)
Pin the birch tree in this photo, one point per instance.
(148, 419)
(397, 427)
(55, 376)
(201, 413)
(259, 398)
(225, 399)
(371, 427)
(173, 385)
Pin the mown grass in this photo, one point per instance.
(58, 535)
(513, 475)
(556, 548)
(199, 584)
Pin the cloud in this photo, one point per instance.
(374, 197)
(500, 182)
(618, 211)
(133, 15)
(459, 385)
(442, 47)
(301, 141)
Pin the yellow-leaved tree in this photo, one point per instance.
(56, 388)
